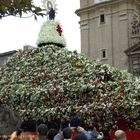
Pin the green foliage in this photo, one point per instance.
(18, 8)
(50, 83)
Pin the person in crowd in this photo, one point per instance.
(58, 136)
(28, 136)
(51, 134)
(16, 134)
(120, 135)
(42, 131)
(75, 122)
(94, 133)
(67, 133)
(80, 136)
(81, 130)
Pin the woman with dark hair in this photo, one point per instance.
(51, 134)
(42, 131)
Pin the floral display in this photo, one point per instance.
(50, 82)
(51, 32)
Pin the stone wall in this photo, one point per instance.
(111, 36)
(4, 56)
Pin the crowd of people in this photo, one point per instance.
(68, 133)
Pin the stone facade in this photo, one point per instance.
(106, 29)
(4, 56)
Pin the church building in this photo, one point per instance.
(110, 31)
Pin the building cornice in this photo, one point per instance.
(7, 53)
(132, 49)
(99, 5)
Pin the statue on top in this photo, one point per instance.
(50, 8)
(51, 32)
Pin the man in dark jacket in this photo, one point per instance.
(42, 131)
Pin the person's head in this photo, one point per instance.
(80, 136)
(120, 135)
(75, 122)
(51, 134)
(42, 129)
(67, 133)
(95, 127)
(16, 135)
(18, 132)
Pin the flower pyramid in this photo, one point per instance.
(51, 83)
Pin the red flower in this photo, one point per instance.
(59, 30)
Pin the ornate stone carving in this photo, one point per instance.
(136, 26)
(135, 30)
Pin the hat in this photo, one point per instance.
(75, 122)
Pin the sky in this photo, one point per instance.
(16, 32)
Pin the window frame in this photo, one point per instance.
(104, 54)
(102, 17)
